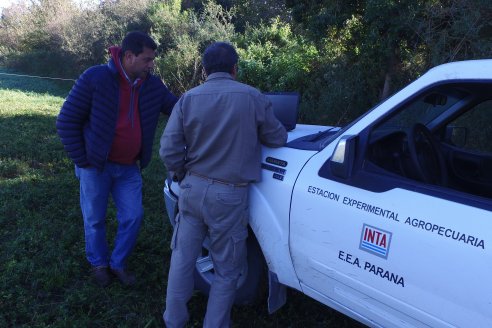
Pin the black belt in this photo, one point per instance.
(241, 184)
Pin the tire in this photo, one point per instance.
(250, 284)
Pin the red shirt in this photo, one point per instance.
(127, 140)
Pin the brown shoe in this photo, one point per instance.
(101, 275)
(126, 278)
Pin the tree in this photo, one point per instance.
(371, 48)
(247, 12)
(398, 39)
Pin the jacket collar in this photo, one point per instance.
(112, 66)
(114, 52)
(219, 75)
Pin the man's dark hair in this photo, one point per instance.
(219, 57)
(135, 42)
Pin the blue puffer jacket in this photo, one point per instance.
(87, 119)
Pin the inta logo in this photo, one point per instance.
(375, 241)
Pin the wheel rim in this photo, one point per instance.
(205, 266)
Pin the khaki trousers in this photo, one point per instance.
(221, 211)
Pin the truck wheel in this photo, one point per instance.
(250, 283)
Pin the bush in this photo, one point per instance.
(182, 36)
(342, 57)
(273, 58)
(57, 37)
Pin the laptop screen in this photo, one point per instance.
(286, 107)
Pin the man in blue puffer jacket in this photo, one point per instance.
(107, 126)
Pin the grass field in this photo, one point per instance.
(44, 278)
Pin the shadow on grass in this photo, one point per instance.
(29, 138)
(17, 81)
(44, 278)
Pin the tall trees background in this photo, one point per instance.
(342, 56)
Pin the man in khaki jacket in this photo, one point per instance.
(212, 144)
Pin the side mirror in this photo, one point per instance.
(456, 135)
(436, 99)
(342, 160)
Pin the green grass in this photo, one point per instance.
(44, 278)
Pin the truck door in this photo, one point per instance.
(378, 244)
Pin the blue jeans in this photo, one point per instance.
(124, 183)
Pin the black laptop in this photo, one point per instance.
(285, 107)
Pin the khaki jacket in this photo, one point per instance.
(216, 129)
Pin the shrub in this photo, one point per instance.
(58, 37)
(183, 35)
(273, 58)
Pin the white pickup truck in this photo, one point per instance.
(387, 220)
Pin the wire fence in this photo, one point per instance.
(20, 81)
(39, 77)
